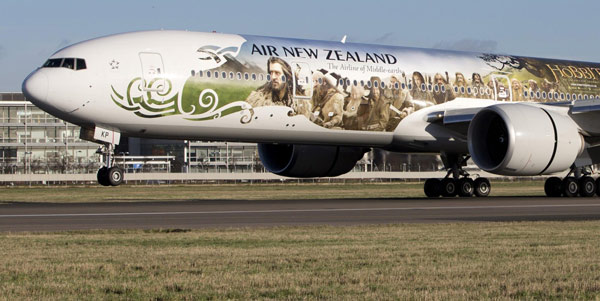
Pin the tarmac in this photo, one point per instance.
(195, 214)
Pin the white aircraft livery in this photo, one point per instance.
(316, 107)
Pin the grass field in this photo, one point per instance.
(526, 260)
(284, 191)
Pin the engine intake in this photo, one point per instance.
(521, 139)
(307, 161)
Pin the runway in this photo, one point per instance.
(195, 214)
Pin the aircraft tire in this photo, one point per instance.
(587, 186)
(102, 176)
(466, 187)
(448, 187)
(570, 187)
(482, 187)
(432, 188)
(115, 176)
(553, 187)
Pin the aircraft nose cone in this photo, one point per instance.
(35, 87)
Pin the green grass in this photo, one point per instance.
(283, 191)
(527, 260)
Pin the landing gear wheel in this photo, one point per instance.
(466, 187)
(115, 176)
(570, 187)
(432, 188)
(102, 176)
(553, 187)
(587, 186)
(448, 187)
(482, 187)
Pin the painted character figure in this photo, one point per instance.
(277, 91)
(479, 89)
(401, 104)
(442, 91)
(461, 88)
(517, 90)
(419, 89)
(351, 111)
(328, 101)
(380, 107)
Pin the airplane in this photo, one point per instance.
(316, 107)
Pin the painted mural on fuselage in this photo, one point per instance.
(348, 86)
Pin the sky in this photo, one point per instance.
(30, 31)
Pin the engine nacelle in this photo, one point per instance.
(521, 139)
(307, 161)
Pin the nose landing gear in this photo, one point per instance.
(110, 174)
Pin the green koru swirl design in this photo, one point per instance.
(196, 101)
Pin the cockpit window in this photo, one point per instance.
(53, 63)
(81, 64)
(66, 63)
(69, 63)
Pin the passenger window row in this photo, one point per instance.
(69, 63)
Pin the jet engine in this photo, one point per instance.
(521, 139)
(307, 161)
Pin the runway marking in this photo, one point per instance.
(293, 210)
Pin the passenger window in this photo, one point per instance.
(525, 93)
(375, 84)
(200, 73)
(403, 86)
(283, 78)
(550, 95)
(341, 82)
(562, 96)
(369, 84)
(355, 83)
(347, 82)
(239, 76)
(81, 64)
(585, 96)
(216, 74)
(362, 83)
(193, 73)
(253, 76)
(208, 73)
(469, 90)
(396, 86)
(261, 77)
(436, 88)
(320, 81)
(68, 63)
(268, 77)
(423, 87)
(556, 95)
(475, 91)
(443, 88)
(409, 86)
(382, 84)
(429, 87)
(224, 75)
(462, 90)
(230, 75)
(568, 96)
(246, 76)
(543, 95)
(580, 97)
(537, 94)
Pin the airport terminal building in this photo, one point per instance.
(33, 141)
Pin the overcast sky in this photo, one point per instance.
(30, 31)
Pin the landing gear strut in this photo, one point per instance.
(577, 182)
(457, 181)
(109, 174)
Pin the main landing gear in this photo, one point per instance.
(109, 174)
(580, 184)
(457, 181)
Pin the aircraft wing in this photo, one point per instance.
(455, 120)
(586, 113)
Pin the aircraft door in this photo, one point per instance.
(502, 90)
(152, 71)
(303, 88)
